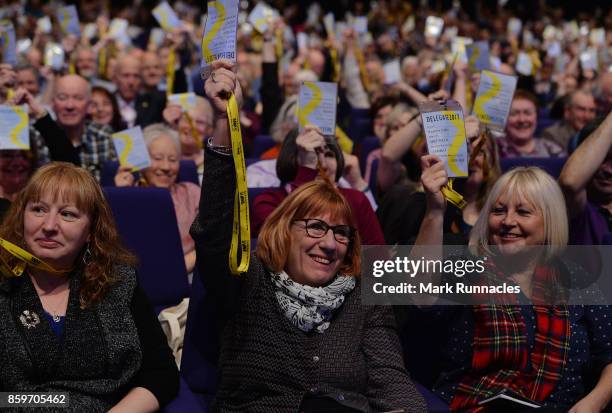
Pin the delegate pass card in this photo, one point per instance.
(219, 39)
(444, 129)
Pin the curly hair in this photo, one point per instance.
(67, 182)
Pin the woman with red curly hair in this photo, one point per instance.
(74, 319)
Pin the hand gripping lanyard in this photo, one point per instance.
(25, 258)
(241, 231)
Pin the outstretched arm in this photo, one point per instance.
(583, 164)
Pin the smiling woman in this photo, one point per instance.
(165, 153)
(294, 334)
(544, 350)
(77, 307)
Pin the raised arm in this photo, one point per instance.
(54, 137)
(583, 164)
(434, 177)
(212, 228)
(271, 92)
(390, 167)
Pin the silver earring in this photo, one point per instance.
(87, 257)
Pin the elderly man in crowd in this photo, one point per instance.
(136, 108)
(579, 110)
(92, 142)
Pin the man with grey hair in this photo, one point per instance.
(579, 110)
(91, 141)
(136, 108)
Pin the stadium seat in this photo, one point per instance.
(551, 165)
(147, 224)
(188, 172)
(185, 401)
(261, 144)
(200, 346)
(360, 124)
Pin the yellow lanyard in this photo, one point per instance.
(241, 231)
(102, 59)
(170, 72)
(194, 131)
(278, 43)
(453, 196)
(333, 54)
(25, 258)
(365, 78)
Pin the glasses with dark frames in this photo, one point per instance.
(315, 228)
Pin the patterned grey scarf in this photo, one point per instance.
(308, 307)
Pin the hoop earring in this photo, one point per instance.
(87, 257)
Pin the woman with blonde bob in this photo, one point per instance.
(543, 350)
(294, 335)
(74, 320)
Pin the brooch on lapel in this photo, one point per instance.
(29, 319)
(145, 104)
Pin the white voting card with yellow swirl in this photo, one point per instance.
(14, 127)
(166, 17)
(478, 56)
(317, 105)
(494, 98)
(219, 39)
(131, 149)
(261, 17)
(444, 129)
(186, 101)
(69, 20)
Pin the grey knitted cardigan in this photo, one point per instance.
(100, 352)
(269, 365)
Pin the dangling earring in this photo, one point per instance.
(87, 257)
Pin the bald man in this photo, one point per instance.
(579, 110)
(91, 141)
(136, 108)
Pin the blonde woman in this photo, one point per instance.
(540, 351)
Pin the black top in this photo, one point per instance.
(102, 353)
(271, 95)
(158, 372)
(56, 140)
(401, 213)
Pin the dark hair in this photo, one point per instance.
(287, 164)
(381, 102)
(117, 122)
(526, 95)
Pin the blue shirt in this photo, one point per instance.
(56, 326)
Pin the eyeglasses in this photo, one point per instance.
(315, 228)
